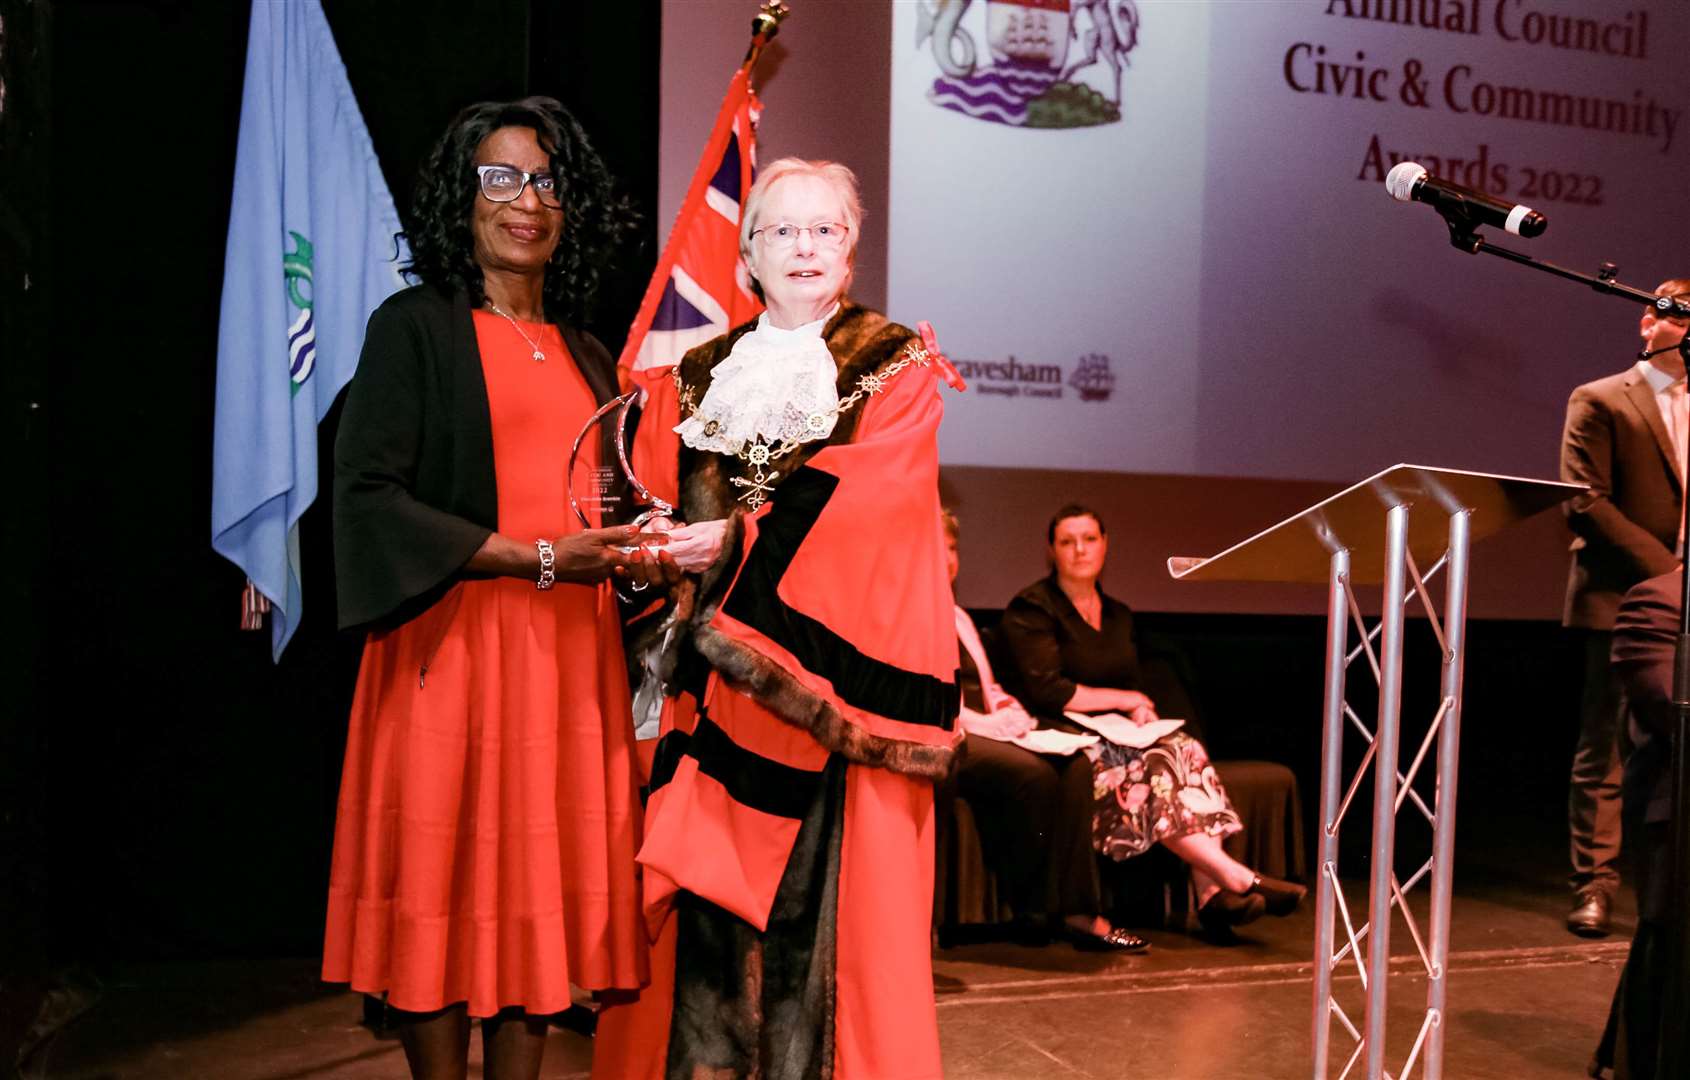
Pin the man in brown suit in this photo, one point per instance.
(1620, 440)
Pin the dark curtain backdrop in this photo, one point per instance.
(189, 782)
(25, 91)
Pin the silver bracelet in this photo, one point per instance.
(547, 561)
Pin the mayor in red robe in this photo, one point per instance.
(809, 684)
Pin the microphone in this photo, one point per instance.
(1409, 182)
(1670, 307)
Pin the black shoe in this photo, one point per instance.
(1589, 917)
(581, 1019)
(1281, 897)
(1224, 910)
(1116, 940)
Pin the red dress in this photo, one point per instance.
(488, 817)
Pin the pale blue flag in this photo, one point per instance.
(311, 253)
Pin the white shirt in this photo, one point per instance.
(1670, 399)
(969, 638)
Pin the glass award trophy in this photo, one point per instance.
(605, 493)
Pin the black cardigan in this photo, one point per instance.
(414, 489)
(1051, 648)
(1055, 649)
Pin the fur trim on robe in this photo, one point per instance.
(863, 342)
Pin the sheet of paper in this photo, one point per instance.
(1121, 731)
(1052, 741)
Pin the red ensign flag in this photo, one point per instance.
(698, 290)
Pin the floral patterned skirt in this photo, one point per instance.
(1167, 790)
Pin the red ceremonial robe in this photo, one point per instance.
(788, 855)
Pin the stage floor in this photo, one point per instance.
(1526, 999)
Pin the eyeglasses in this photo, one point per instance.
(502, 184)
(828, 234)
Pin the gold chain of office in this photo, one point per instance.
(758, 453)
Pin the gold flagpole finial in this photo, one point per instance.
(764, 26)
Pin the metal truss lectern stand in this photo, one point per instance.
(1383, 531)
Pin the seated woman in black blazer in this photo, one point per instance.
(1074, 652)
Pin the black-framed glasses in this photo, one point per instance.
(502, 184)
(785, 234)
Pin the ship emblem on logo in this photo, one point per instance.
(1092, 378)
(1030, 81)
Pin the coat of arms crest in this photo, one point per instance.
(1030, 81)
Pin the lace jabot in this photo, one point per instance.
(773, 385)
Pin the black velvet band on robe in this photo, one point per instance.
(859, 679)
(751, 1004)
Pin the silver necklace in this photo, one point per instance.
(539, 354)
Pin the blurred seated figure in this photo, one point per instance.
(1033, 809)
(1075, 653)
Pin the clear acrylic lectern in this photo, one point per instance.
(1381, 532)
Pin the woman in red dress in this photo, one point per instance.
(487, 823)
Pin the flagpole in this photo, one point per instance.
(696, 291)
(764, 26)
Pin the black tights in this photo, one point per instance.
(437, 1044)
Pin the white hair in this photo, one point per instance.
(843, 181)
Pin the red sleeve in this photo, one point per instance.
(844, 584)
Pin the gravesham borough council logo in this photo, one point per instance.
(1031, 82)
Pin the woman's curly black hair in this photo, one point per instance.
(596, 220)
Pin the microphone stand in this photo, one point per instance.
(1674, 1047)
